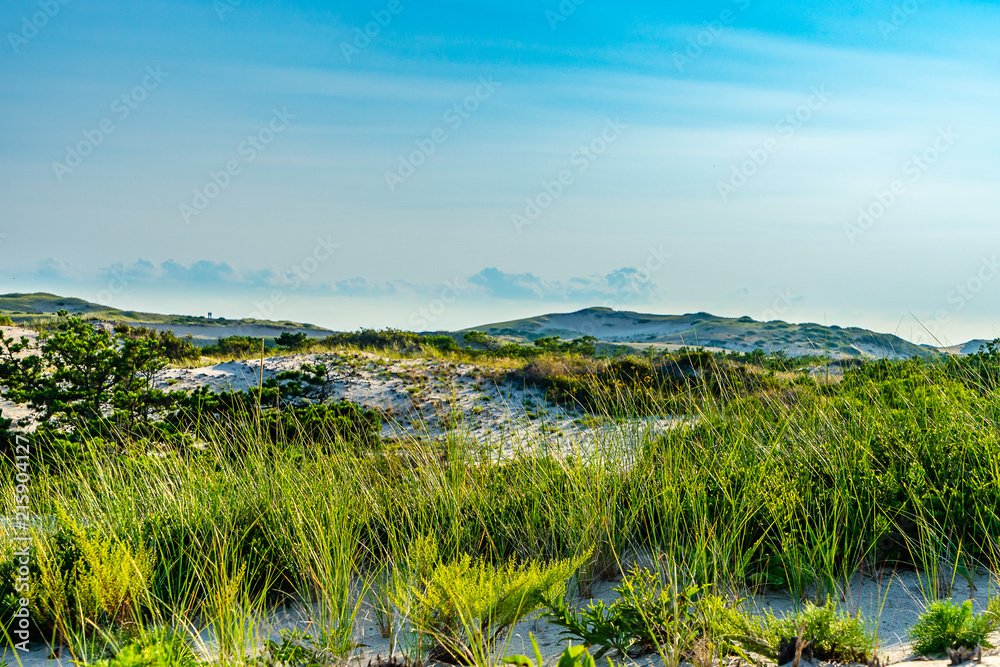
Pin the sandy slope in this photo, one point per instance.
(429, 398)
(417, 398)
(742, 334)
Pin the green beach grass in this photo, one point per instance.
(776, 482)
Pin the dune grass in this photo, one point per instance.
(770, 485)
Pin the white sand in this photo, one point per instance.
(893, 601)
(432, 398)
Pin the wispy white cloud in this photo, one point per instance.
(622, 285)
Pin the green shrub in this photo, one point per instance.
(442, 343)
(5, 321)
(160, 649)
(292, 341)
(468, 605)
(86, 581)
(584, 345)
(981, 369)
(13, 587)
(239, 412)
(373, 339)
(945, 625)
(173, 348)
(650, 615)
(833, 636)
(629, 385)
(82, 372)
(483, 340)
(573, 656)
(234, 346)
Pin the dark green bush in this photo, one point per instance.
(945, 625)
(651, 615)
(235, 346)
(82, 373)
(441, 343)
(292, 341)
(173, 348)
(202, 410)
(374, 339)
(833, 636)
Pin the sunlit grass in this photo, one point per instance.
(795, 486)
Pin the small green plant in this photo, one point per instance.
(160, 649)
(945, 625)
(571, 657)
(596, 625)
(295, 648)
(292, 341)
(650, 615)
(830, 634)
(86, 581)
(468, 606)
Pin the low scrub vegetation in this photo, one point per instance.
(653, 614)
(198, 514)
(466, 607)
(946, 625)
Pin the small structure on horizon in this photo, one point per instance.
(209, 314)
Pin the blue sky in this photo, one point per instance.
(466, 163)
